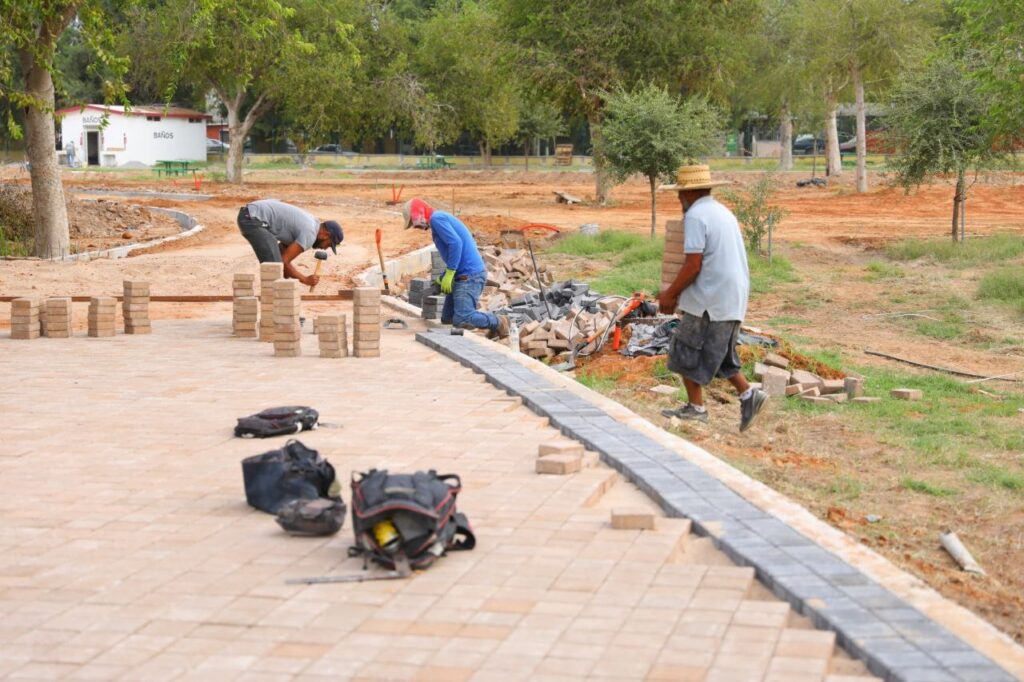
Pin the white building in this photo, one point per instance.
(142, 135)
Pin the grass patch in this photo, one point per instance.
(878, 270)
(1005, 285)
(600, 383)
(788, 321)
(764, 276)
(951, 327)
(846, 488)
(997, 477)
(635, 260)
(607, 242)
(927, 488)
(998, 247)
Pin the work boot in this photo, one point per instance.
(751, 407)
(687, 412)
(501, 331)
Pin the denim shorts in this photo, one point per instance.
(701, 349)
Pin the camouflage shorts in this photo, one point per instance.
(701, 349)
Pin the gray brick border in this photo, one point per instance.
(894, 639)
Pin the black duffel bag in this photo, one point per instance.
(409, 514)
(277, 421)
(289, 473)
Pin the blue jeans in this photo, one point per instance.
(460, 306)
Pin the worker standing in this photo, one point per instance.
(465, 275)
(711, 291)
(279, 232)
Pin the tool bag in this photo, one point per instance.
(322, 516)
(420, 507)
(277, 421)
(291, 472)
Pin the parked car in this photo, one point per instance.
(808, 144)
(803, 144)
(333, 149)
(216, 146)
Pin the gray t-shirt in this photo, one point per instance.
(289, 224)
(723, 284)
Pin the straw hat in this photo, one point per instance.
(694, 177)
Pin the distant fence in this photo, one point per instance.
(412, 162)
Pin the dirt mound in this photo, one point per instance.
(93, 224)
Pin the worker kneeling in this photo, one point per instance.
(465, 275)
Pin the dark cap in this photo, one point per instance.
(337, 236)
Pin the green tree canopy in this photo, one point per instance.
(648, 132)
(937, 122)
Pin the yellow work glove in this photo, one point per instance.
(446, 281)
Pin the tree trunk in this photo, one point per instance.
(654, 206)
(785, 138)
(833, 161)
(862, 145)
(238, 130)
(957, 204)
(600, 169)
(51, 215)
(526, 153)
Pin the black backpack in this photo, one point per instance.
(291, 472)
(420, 509)
(277, 421)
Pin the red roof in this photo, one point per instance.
(141, 110)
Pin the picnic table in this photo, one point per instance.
(174, 167)
(438, 161)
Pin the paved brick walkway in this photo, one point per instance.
(127, 550)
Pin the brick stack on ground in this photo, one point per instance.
(559, 458)
(245, 312)
(287, 307)
(135, 306)
(431, 307)
(269, 273)
(102, 317)
(366, 322)
(333, 337)
(672, 260)
(25, 322)
(58, 318)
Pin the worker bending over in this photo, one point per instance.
(279, 232)
(465, 275)
(711, 291)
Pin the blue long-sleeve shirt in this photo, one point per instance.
(455, 244)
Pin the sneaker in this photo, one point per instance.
(687, 411)
(751, 407)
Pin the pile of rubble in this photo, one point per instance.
(550, 324)
(777, 380)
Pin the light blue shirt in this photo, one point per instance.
(723, 284)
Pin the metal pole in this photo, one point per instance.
(543, 296)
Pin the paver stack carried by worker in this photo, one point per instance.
(711, 291)
(465, 275)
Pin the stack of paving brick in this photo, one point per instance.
(431, 307)
(25, 318)
(287, 308)
(135, 306)
(778, 381)
(366, 322)
(420, 288)
(672, 261)
(102, 318)
(245, 313)
(330, 330)
(269, 273)
(58, 318)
